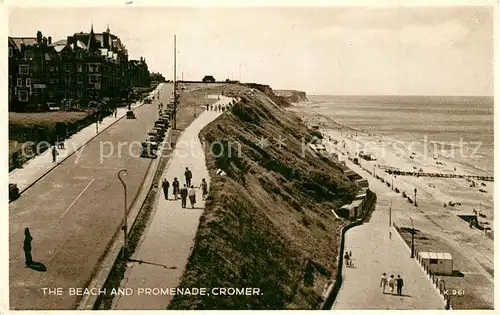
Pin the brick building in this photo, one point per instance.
(84, 67)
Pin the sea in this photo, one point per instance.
(442, 123)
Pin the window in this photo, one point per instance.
(67, 67)
(23, 69)
(19, 82)
(79, 67)
(433, 261)
(28, 81)
(29, 54)
(10, 80)
(91, 68)
(22, 96)
(79, 79)
(79, 92)
(11, 52)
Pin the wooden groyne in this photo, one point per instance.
(441, 175)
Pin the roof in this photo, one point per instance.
(347, 207)
(431, 255)
(26, 40)
(356, 203)
(61, 42)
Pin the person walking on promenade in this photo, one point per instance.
(27, 247)
(175, 185)
(184, 194)
(346, 257)
(116, 111)
(211, 107)
(392, 283)
(399, 285)
(54, 154)
(204, 189)
(383, 282)
(219, 107)
(192, 196)
(188, 176)
(207, 107)
(165, 185)
(350, 259)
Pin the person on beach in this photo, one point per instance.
(165, 185)
(392, 283)
(175, 185)
(399, 285)
(383, 282)
(192, 196)
(204, 189)
(184, 194)
(188, 175)
(390, 234)
(27, 247)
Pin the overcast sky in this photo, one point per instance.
(330, 50)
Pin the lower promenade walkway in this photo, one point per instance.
(166, 245)
(374, 253)
(40, 165)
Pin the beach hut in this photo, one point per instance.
(438, 263)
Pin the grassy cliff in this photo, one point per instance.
(267, 223)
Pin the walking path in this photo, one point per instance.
(166, 245)
(42, 164)
(375, 253)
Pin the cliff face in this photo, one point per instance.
(292, 96)
(267, 223)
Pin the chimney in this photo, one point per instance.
(50, 40)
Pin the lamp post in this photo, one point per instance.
(125, 229)
(415, 191)
(390, 214)
(412, 239)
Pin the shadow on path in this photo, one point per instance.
(151, 263)
(37, 266)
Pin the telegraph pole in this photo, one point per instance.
(175, 83)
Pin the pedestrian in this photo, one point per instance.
(27, 247)
(350, 258)
(184, 194)
(211, 107)
(207, 106)
(54, 154)
(399, 284)
(188, 176)
(165, 185)
(204, 189)
(346, 257)
(392, 283)
(116, 112)
(390, 234)
(383, 282)
(175, 185)
(192, 196)
(219, 107)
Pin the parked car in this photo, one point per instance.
(13, 192)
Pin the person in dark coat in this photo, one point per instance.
(165, 185)
(188, 176)
(211, 107)
(184, 194)
(192, 196)
(399, 285)
(54, 154)
(27, 247)
(175, 185)
(207, 106)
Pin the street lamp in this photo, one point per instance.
(125, 230)
(390, 214)
(415, 191)
(412, 239)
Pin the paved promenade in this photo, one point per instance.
(166, 245)
(40, 165)
(375, 253)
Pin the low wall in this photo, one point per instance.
(368, 207)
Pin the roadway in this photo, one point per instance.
(74, 212)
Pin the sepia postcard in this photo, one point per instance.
(249, 157)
